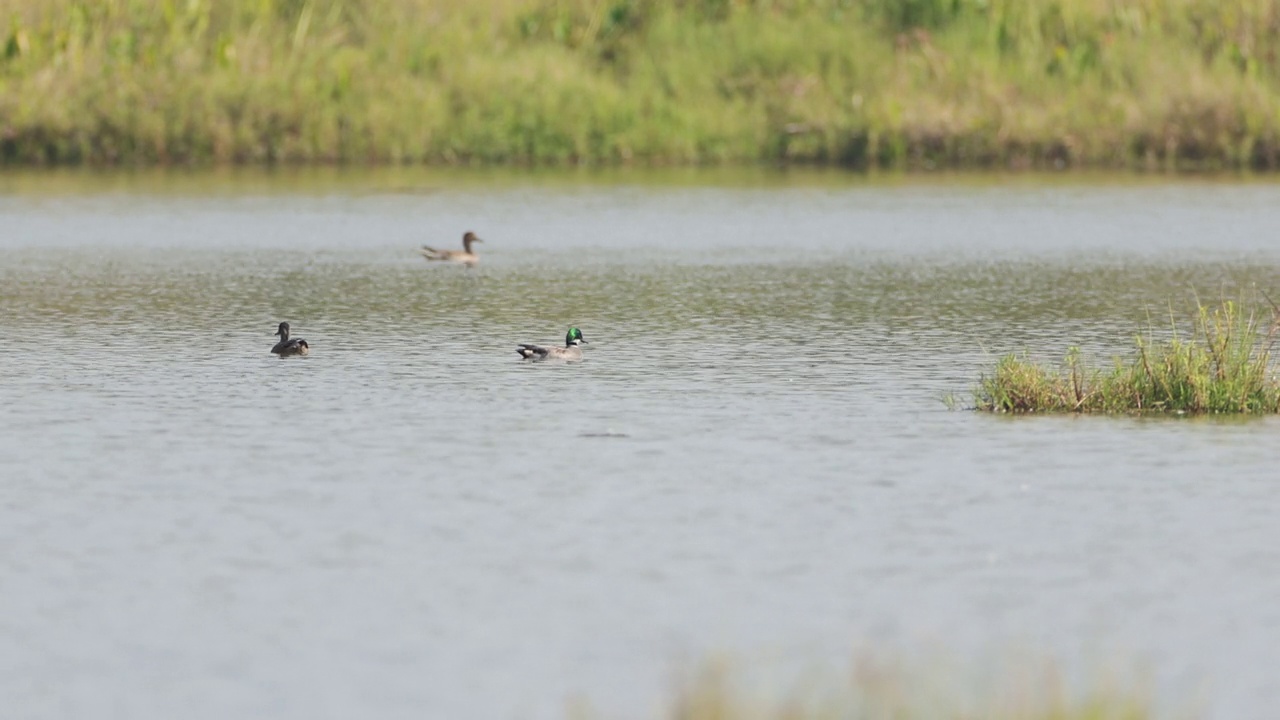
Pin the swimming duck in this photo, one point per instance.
(571, 352)
(465, 255)
(287, 347)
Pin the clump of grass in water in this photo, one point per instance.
(1222, 366)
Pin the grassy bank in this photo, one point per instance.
(1223, 365)
(862, 83)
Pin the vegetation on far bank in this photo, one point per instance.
(858, 83)
(1223, 365)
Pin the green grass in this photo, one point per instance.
(1222, 365)
(858, 83)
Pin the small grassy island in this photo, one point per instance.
(1223, 365)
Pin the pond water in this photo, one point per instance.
(755, 458)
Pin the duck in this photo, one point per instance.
(286, 346)
(571, 352)
(465, 256)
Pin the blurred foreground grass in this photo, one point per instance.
(887, 691)
(861, 83)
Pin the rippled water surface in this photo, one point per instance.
(755, 457)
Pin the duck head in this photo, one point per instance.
(283, 331)
(469, 238)
(573, 338)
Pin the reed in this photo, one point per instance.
(859, 83)
(1222, 365)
